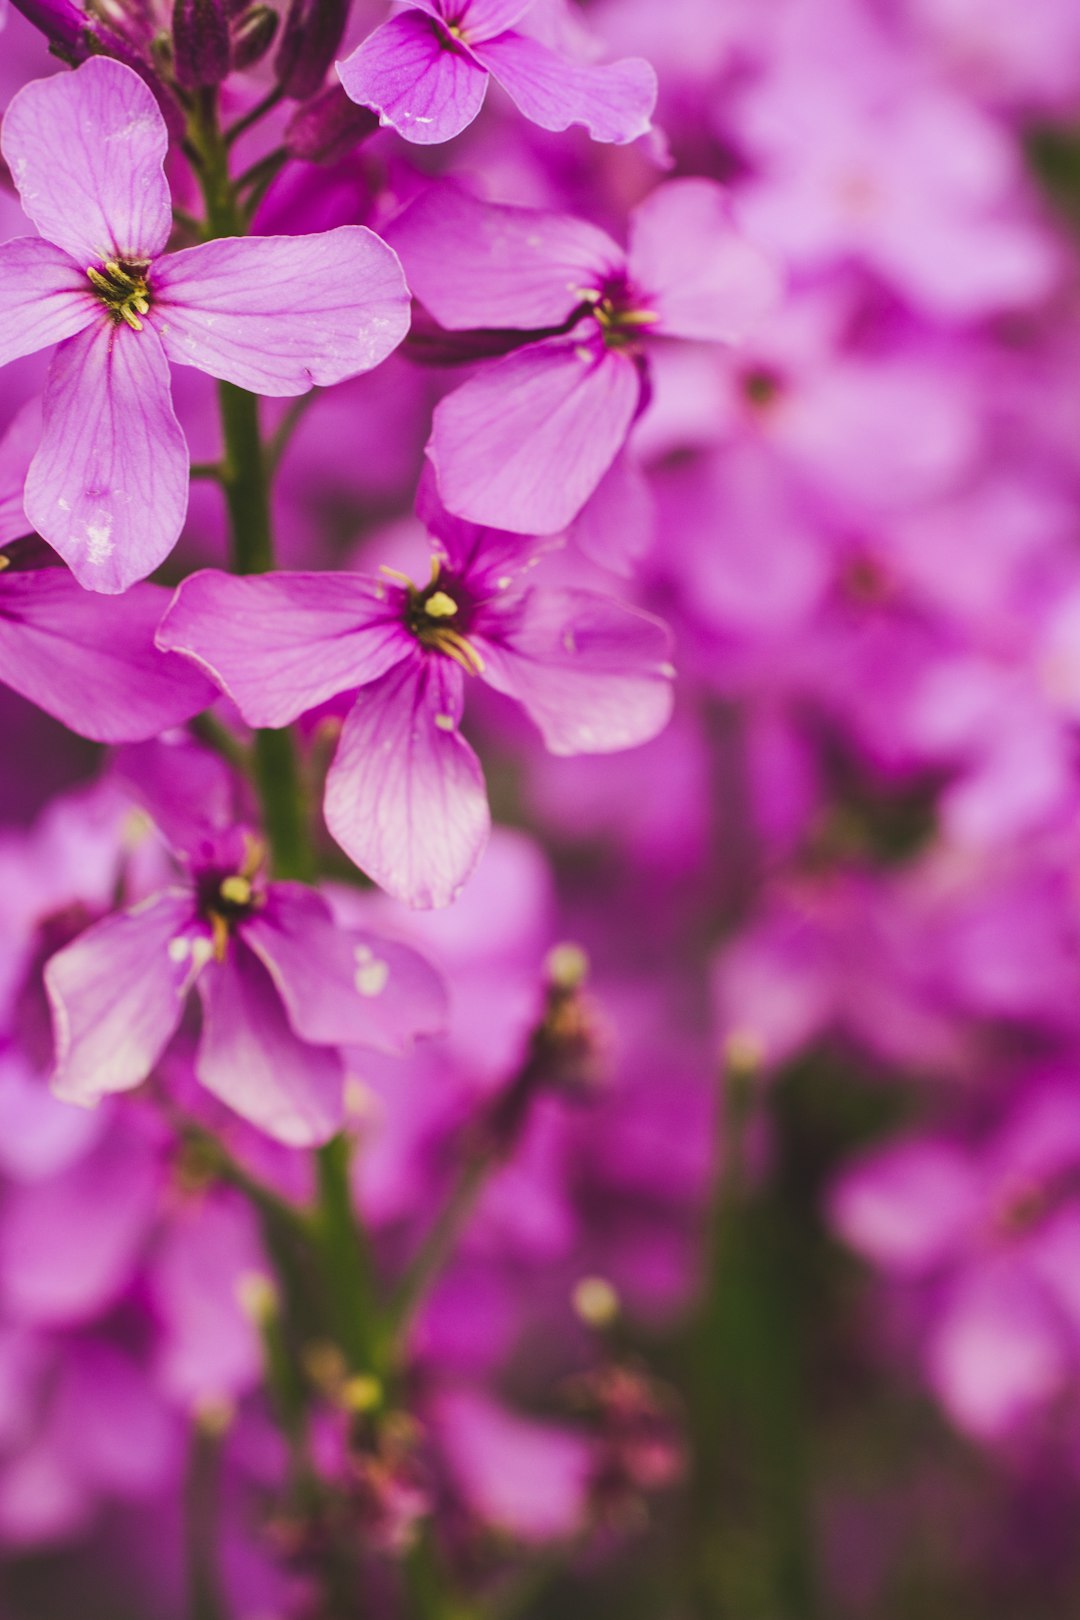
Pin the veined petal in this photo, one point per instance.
(614, 101)
(523, 444)
(90, 660)
(480, 264)
(405, 796)
(693, 268)
(280, 314)
(86, 151)
(341, 987)
(250, 1058)
(117, 993)
(594, 674)
(417, 78)
(280, 644)
(477, 19)
(44, 297)
(108, 486)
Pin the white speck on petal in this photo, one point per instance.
(179, 949)
(99, 542)
(445, 722)
(371, 973)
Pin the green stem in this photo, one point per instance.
(438, 1244)
(202, 1506)
(346, 1264)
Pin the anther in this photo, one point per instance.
(235, 890)
(440, 606)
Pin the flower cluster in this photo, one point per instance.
(539, 900)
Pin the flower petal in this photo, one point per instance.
(594, 674)
(342, 987)
(250, 1058)
(477, 264)
(417, 78)
(614, 101)
(280, 314)
(405, 796)
(108, 486)
(523, 444)
(43, 297)
(693, 268)
(117, 993)
(280, 644)
(16, 453)
(90, 660)
(86, 151)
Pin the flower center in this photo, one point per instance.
(123, 289)
(226, 898)
(437, 614)
(614, 309)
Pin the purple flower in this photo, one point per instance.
(405, 796)
(282, 988)
(525, 442)
(425, 72)
(108, 485)
(88, 661)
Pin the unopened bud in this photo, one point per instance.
(252, 35)
(200, 43)
(567, 967)
(596, 1302)
(309, 43)
(328, 126)
(362, 1393)
(64, 24)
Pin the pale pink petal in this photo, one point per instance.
(690, 265)
(481, 19)
(250, 1058)
(86, 150)
(477, 264)
(417, 78)
(108, 486)
(341, 987)
(280, 314)
(594, 674)
(525, 442)
(613, 101)
(117, 994)
(617, 525)
(405, 796)
(44, 297)
(90, 660)
(280, 644)
(908, 1207)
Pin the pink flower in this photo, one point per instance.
(525, 442)
(108, 485)
(405, 796)
(282, 987)
(425, 72)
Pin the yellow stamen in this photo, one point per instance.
(128, 315)
(440, 606)
(5, 562)
(456, 647)
(220, 930)
(235, 890)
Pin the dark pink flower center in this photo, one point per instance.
(619, 311)
(439, 616)
(225, 898)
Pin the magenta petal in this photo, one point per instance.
(340, 987)
(108, 486)
(416, 78)
(86, 150)
(523, 444)
(479, 264)
(91, 661)
(117, 994)
(280, 314)
(405, 796)
(250, 1058)
(594, 674)
(614, 102)
(692, 267)
(280, 644)
(44, 297)
(16, 453)
(481, 19)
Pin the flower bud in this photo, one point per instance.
(328, 126)
(200, 43)
(309, 43)
(64, 25)
(252, 35)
